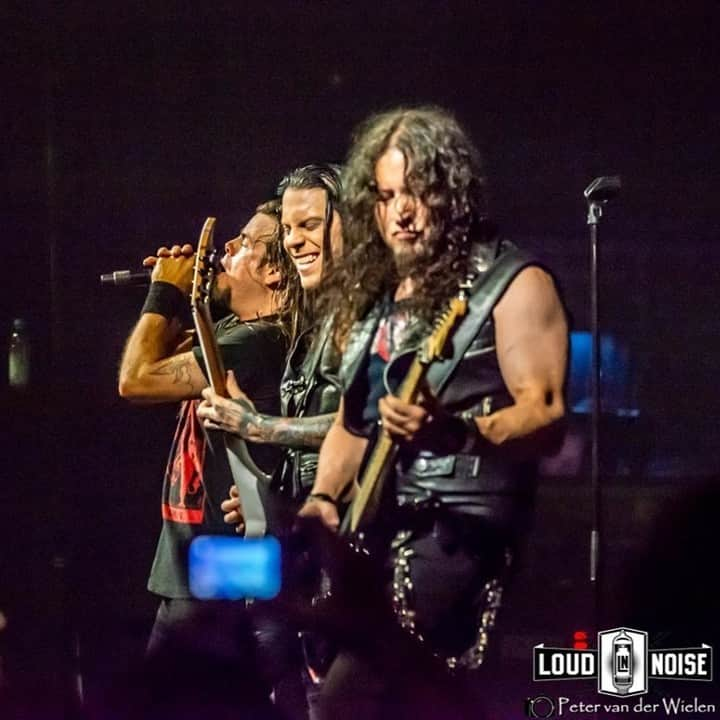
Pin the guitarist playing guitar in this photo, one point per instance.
(462, 451)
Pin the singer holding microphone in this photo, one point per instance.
(160, 364)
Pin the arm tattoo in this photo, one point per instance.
(179, 369)
(306, 432)
(287, 431)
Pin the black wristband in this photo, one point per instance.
(165, 299)
(321, 496)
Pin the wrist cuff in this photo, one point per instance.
(165, 299)
(321, 496)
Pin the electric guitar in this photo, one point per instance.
(382, 456)
(252, 483)
(343, 570)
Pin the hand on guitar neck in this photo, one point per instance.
(234, 414)
(401, 419)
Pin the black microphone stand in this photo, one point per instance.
(597, 194)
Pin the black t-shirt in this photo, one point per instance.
(198, 475)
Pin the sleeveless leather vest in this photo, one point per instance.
(489, 486)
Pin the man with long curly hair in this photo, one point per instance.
(417, 226)
(310, 390)
(312, 238)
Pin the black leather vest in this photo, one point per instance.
(310, 387)
(488, 486)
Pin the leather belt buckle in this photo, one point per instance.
(433, 466)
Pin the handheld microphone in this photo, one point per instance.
(121, 278)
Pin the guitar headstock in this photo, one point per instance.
(433, 346)
(204, 270)
(203, 277)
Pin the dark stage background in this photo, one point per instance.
(125, 126)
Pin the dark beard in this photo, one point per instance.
(407, 260)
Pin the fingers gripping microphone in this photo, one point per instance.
(122, 278)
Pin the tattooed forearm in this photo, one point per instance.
(241, 418)
(294, 432)
(154, 368)
(180, 371)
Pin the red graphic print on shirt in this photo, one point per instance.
(389, 334)
(184, 494)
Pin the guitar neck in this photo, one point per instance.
(373, 481)
(410, 385)
(203, 273)
(210, 350)
(383, 455)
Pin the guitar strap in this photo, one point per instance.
(252, 484)
(253, 487)
(486, 291)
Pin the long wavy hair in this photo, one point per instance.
(301, 304)
(283, 298)
(443, 170)
(284, 293)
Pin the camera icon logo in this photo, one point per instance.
(540, 706)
